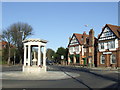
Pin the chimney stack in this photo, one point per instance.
(84, 37)
(91, 35)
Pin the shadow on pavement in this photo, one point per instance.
(115, 86)
(77, 80)
(56, 68)
(93, 73)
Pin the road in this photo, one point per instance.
(87, 79)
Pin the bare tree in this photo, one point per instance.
(6, 35)
(20, 31)
(16, 33)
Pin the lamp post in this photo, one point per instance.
(62, 57)
(52, 57)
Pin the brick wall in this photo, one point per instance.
(118, 54)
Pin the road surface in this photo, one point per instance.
(86, 79)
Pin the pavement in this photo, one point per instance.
(109, 73)
(49, 75)
(57, 76)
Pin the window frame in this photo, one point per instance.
(102, 46)
(112, 44)
(101, 59)
(111, 59)
(71, 50)
(77, 49)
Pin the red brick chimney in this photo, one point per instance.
(91, 37)
(84, 37)
(91, 43)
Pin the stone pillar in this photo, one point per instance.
(24, 55)
(74, 60)
(68, 60)
(39, 55)
(29, 54)
(44, 56)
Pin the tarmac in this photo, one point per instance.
(55, 75)
(49, 75)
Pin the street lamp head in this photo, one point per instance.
(62, 57)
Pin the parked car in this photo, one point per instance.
(49, 62)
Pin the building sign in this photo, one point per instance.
(107, 52)
(83, 56)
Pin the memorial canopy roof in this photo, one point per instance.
(34, 40)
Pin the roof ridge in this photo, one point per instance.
(114, 29)
(113, 25)
(80, 34)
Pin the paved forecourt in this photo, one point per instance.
(49, 75)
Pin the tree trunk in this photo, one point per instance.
(8, 56)
(20, 60)
(14, 58)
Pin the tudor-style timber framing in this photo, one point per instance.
(82, 49)
(108, 54)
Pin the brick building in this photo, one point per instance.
(82, 49)
(4, 44)
(108, 54)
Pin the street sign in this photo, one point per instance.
(107, 52)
